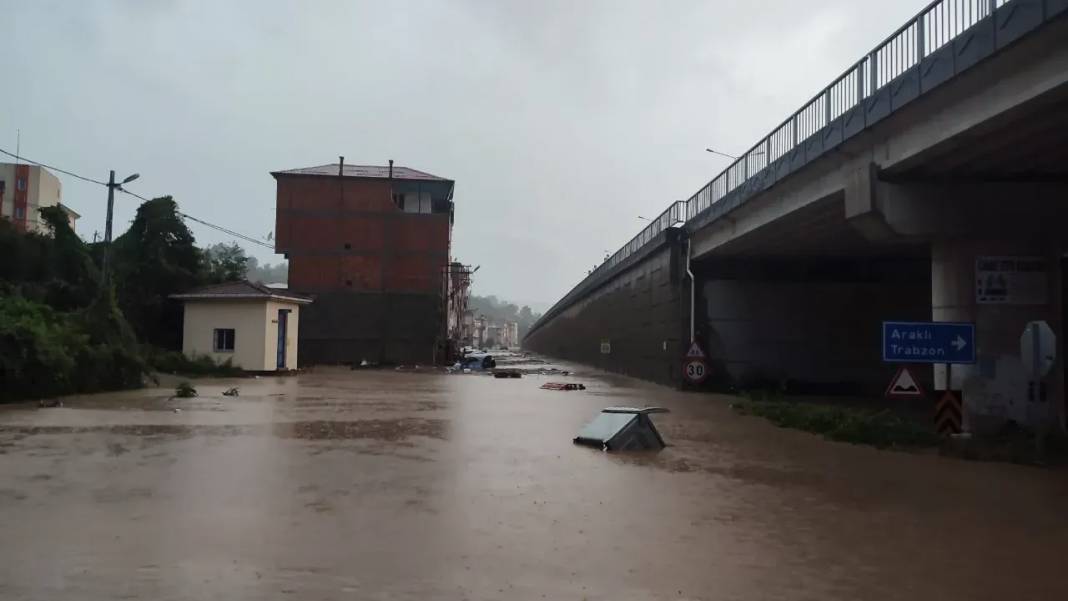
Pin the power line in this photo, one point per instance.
(228, 231)
(211, 225)
(136, 195)
(82, 177)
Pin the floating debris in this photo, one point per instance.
(230, 392)
(185, 390)
(562, 386)
(507, 373)
(49, 403)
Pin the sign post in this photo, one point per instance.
(694, 367)
(1038, 350)
(929, 342)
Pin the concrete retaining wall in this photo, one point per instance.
(642, 313)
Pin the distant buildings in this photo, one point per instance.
(24, 189)
(511, 334)
(480, 332)
(371, 243)
(457, 293)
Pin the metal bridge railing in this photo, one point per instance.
(935, 26)
(938, 24)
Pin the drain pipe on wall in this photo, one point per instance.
(693, 285)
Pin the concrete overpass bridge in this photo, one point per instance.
(936, 160)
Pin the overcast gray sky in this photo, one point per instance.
(561, 121)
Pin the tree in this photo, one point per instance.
(155, 258)
(75, 279)
(54, 268)
(526, 315)
(227, 262)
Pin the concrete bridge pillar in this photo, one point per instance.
(1001, 285)
(1010, 233)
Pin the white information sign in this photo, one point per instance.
(1011, 281)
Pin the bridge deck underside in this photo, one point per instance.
(1028, 143)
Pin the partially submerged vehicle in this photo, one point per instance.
(622, 429)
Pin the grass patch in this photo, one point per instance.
(879, 428)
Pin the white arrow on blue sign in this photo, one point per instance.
(928, 342)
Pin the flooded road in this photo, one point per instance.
(337, 484)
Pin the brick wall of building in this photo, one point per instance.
(346, 234)
(376, 271)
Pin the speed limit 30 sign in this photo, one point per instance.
(694, 368)
(696, 371)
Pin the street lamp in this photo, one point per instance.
(112, 186)
(731, 156)
(644, 218)
(722, 154)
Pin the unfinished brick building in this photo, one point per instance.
(371, 244)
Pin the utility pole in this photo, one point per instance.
(107, 225)
(112, 186)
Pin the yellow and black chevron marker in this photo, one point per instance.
(948, 413)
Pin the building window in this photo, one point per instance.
(417, 202)
(224, 340)
(20, 213)
(348, 246)
(20, 184)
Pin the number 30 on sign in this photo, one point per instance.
(696, 371)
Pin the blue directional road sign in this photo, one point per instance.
(928, 342)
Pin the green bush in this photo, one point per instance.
(174, 362)
(45, 353)
(880, 428)
(185, 390)
(107, 367)
(39, 350)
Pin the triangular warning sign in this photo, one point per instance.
(695, 352)
(904, 385)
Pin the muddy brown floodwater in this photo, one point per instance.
(337, 484)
